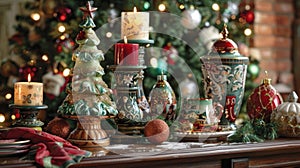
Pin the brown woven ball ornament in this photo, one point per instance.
(58, 127)
(156, 131)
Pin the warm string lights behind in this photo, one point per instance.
(42, 47)
(60, 32)
(239, 12)
(242, 12)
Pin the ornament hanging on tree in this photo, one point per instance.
(48, 7)
(188, 88)
(63, 13)
(191, 18)
(112, 15)
(53, 83)
(10, 71)
(263, 100)
(31, 69)
(208, 35)
(17, 38)
(64, 45)
(253, 69)
(33, 36)
(8, 68)
(171, 53)
(248, 16)
(232, 9)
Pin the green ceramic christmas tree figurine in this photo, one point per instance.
(90, 94)
(88, 99)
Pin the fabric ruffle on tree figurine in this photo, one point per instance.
(88, 100)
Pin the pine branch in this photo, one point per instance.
(256, 130)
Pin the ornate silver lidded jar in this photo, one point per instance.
(224, 70)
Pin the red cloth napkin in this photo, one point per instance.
(50, 150)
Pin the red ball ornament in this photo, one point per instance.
(248, 16)
(63, 13)
(29, 69)
(17, 114)
(262, 101)
(81, 36)
(171, 53)
(17, 38)
(156, 131)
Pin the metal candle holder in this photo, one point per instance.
(129, 96)
(28, 115)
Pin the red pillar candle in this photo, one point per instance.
(126, 54)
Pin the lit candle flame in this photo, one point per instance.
(134, 9)
(125, 39)
(29, 78)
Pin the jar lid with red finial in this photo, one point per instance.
(225, 44)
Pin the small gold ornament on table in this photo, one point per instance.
(286, 117)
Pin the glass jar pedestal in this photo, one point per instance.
(224, 71)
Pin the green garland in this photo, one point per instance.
(256, 130)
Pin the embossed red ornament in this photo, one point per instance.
(263, 100)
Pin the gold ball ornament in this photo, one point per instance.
(286, 117)
(8, 67)
(49, 7)
(156, 131)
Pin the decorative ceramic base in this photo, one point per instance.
(88, 134)
(28, 115)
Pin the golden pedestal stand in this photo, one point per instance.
(89, 135)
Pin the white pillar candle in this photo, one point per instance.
(135, 25)
(28, 93)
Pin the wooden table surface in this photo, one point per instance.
(277, 153)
